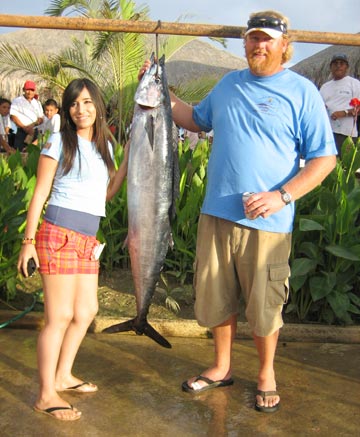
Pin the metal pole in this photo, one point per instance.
(194, 29)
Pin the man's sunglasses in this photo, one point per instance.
(267, 22)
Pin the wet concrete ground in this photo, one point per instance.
(140, 395)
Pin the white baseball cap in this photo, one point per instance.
(274, 27)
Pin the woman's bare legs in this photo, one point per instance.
(85, 309)
(63, 296)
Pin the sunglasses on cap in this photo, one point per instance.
(268, 23)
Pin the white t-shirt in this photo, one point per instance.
(84, 187)
(50, 124)
(4, 123)
(27, 112)
(337, 95)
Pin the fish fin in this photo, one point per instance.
(149, 128)
(121, 327)
(144, 328)
(154, 335)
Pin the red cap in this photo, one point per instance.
(29, 85)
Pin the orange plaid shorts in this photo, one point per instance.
(62, 251)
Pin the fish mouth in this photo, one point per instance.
(147, 107)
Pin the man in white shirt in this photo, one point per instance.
(337, 94)
(27, 113)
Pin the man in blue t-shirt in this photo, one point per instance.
(264, 119)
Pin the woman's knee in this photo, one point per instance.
(61, 320)
(86, 315)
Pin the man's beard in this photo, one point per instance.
(263, 65)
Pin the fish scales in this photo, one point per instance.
(152, 188)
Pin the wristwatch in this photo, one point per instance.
(285, 196)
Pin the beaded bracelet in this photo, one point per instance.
(29, 241)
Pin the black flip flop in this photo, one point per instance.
(210, 384)
(50, 411)
(77, 388)
(262, 408)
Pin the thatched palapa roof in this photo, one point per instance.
(317, 67)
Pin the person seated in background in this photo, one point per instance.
(27, 113)
(51, 122)
(5, 126)
(52, 116)
(337, 94)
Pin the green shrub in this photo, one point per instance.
(113, 227)
(325, 264)
(17, 182)
(325, 258)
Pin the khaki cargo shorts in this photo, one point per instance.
(233, 259)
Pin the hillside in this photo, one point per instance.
(195, 60)
(317, 67)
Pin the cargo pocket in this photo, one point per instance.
(56, 241)
(277, 292)
(57, 244)
(85, 247)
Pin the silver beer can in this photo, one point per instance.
(245, 197)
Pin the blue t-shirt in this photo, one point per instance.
(262, 126)
(84, 187)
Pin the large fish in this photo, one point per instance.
(152, 179)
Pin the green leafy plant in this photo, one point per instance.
(113, 227)
(17, 182)
(325, 260)
(325, 266)
(192, 165)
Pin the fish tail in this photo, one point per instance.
(154, 335)
(144, 328)
(121, 327)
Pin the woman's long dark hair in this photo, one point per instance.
(68, 127)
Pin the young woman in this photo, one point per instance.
(76, 165)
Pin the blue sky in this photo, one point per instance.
(316, 15)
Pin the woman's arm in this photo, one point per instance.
(45, 175)
(120, 175)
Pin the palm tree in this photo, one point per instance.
(117, 56)
(111, 59)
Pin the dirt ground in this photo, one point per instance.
(116, 297)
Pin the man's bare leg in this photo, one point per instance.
(223, 335)
(266, 347)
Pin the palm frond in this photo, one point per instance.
(195, 90)
(110, 59)
(84, 8)
(17, 58)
